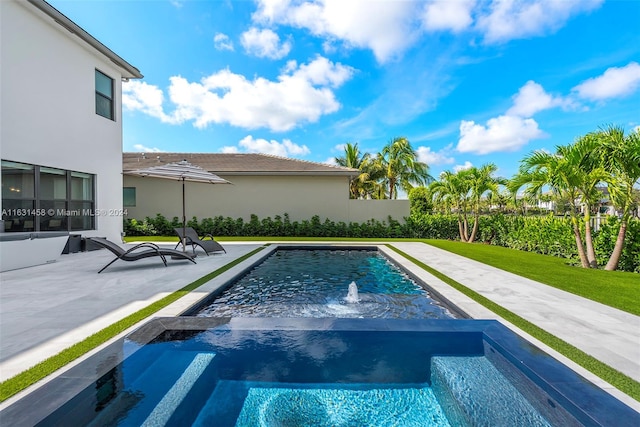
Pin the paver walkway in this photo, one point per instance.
(608, 334)
(47, 308)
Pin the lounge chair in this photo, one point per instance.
(143, 250)
(190, 237)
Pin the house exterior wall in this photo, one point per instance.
(47, 110)
(263, 195)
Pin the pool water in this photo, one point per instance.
(270, 378)
(315, 283)
(275, 372)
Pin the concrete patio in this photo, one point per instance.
(47, 308)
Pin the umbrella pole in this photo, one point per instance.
(184, 221)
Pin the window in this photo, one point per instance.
(81, 202)
(52, 196)
(104, 95)
(39, 198)
(18, 196)
(129, 197)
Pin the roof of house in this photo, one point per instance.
(130, 72)
(236, 163)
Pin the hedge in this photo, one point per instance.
(547, 235)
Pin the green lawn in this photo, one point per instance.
(614, 288)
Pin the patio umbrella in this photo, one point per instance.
(181, 171)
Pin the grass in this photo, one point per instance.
(34, 374)
(619, 380)
(617, 289)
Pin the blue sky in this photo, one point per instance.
(466, 81)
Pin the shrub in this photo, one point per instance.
(547, 235)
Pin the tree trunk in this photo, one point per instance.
(612, 264)
(466, 227)
(461, 228)
(591, 253)
(579, 244)
(476, 220)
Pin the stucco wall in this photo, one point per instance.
(47, 110)
(364, 210)
(265, 196)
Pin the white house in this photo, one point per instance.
(61, 124)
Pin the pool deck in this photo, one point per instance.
(47, 308)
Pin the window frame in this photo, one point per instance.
(39, 217)
(110, 99)
(132, 191)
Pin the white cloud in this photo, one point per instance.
(264, 44)
(442, 15)
(532, 98)
(285, 148)
(222, 42)
(389, 28)
(613, 83)
(509, 19)
(300, 94)
(331, 161)
(143, 149)
(503, 133)
(431, 158)
(385, 27)
(465, 166)
(137, 95)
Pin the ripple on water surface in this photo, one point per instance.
(314, 283)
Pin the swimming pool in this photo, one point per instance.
(328, 370)
(321, 372)
(348, 282)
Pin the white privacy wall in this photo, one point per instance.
(263, 195)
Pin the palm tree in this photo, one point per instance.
(619, 155)
(353, 158)
(480, 182)
(401, 166)
(590, 174)
(453, 191)
(540, 169)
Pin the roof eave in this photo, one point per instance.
(131, 72)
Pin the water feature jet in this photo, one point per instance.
(352, 295)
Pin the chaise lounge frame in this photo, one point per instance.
(138, 252)
(190, 237)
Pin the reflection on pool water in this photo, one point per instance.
(316, 283)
